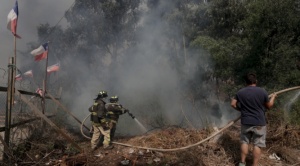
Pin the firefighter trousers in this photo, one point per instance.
(98, 132)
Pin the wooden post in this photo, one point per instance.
(9, 104)
(7, 152)
(43, 97)
(45, 85)
(45, 82)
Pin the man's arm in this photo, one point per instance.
(271, 101)
(234, 104)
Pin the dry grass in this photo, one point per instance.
(169, 138)
(47, 147)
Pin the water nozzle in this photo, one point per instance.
(130, 114)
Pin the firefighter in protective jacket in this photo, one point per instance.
(114, 110)
(100, 123)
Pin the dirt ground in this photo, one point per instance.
(222, 150)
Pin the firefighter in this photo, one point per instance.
(100, 123)
(114, 110)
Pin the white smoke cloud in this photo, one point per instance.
(145, 81)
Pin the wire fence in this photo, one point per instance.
(3, 83)
(20, 110)
(18, 106)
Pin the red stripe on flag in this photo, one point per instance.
(41, 56)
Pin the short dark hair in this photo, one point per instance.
(251, 79)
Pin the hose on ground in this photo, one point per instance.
(192, 145)
(81, 127)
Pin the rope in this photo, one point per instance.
(198, 143)
(11, 66)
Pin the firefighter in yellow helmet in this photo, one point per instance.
(114, 110)
(100, 123)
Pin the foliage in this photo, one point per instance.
(253, 36)
(257, 36)
(226, 17)
(106, 24)
(295, 114)
(239, 36)
(272, 34)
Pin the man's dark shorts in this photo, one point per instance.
(255, 134)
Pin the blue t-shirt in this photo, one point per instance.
(251, 100)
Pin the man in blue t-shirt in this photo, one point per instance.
(252, 102)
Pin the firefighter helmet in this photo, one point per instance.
(101, 94)
(114, 99)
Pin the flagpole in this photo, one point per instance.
(14, 68)
(15, 50)
(45, 81)
(10, 98)
(13, 17)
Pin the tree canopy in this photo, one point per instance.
(239, 36)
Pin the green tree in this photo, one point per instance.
(272, 30)
(107, 25)
(258, 36)
(225, 18)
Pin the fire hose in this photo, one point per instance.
(82, 124)
(197, 143)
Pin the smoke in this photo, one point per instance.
(31, 14)
(289, 104)
(150, 84)
(159, 82)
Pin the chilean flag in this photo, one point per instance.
(39, 91)
(18, 77)
(41, 52)
(12, 20)
(28, 73)
(53, 68)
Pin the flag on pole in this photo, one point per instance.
(12, 20)
(28, 73)
(39, 91)
(18, 77)
(41, 52)
(53, 68)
